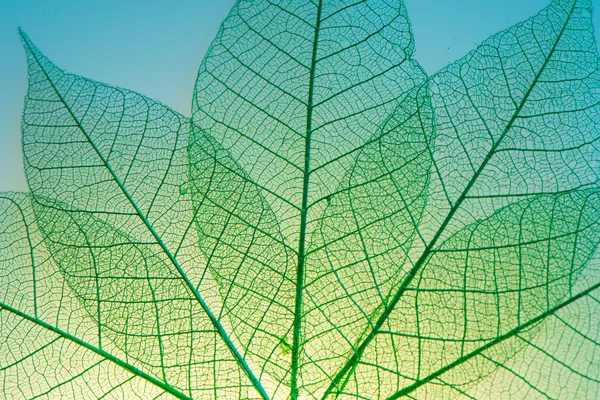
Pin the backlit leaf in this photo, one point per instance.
(329, 223)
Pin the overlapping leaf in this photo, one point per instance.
(515, 121)
(558, 357)
(108, 169)
(293, 91)
(49, 347)
(364, 242)
(246, 255)
(331, 223)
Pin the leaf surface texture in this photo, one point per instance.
(329, 223)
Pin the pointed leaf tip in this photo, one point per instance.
(28, 45)
(24, 37)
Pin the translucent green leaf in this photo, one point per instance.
(294, 91)
(331, 223)
(49, 347)
(515, 128)
(246, 255)
(105, 166)
(364, 240)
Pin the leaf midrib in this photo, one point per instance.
(215, 322)
(300, 271)
(353, 361)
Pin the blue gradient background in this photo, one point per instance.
(155, 47)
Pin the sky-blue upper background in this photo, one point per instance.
(155, 46)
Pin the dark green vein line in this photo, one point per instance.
(508, 335)
(359, 350)
(166, 387)
(304, 214)
(215, 322)
(31, 252)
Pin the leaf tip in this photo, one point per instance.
(23, 36)
(28, 45)
(36, 59)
